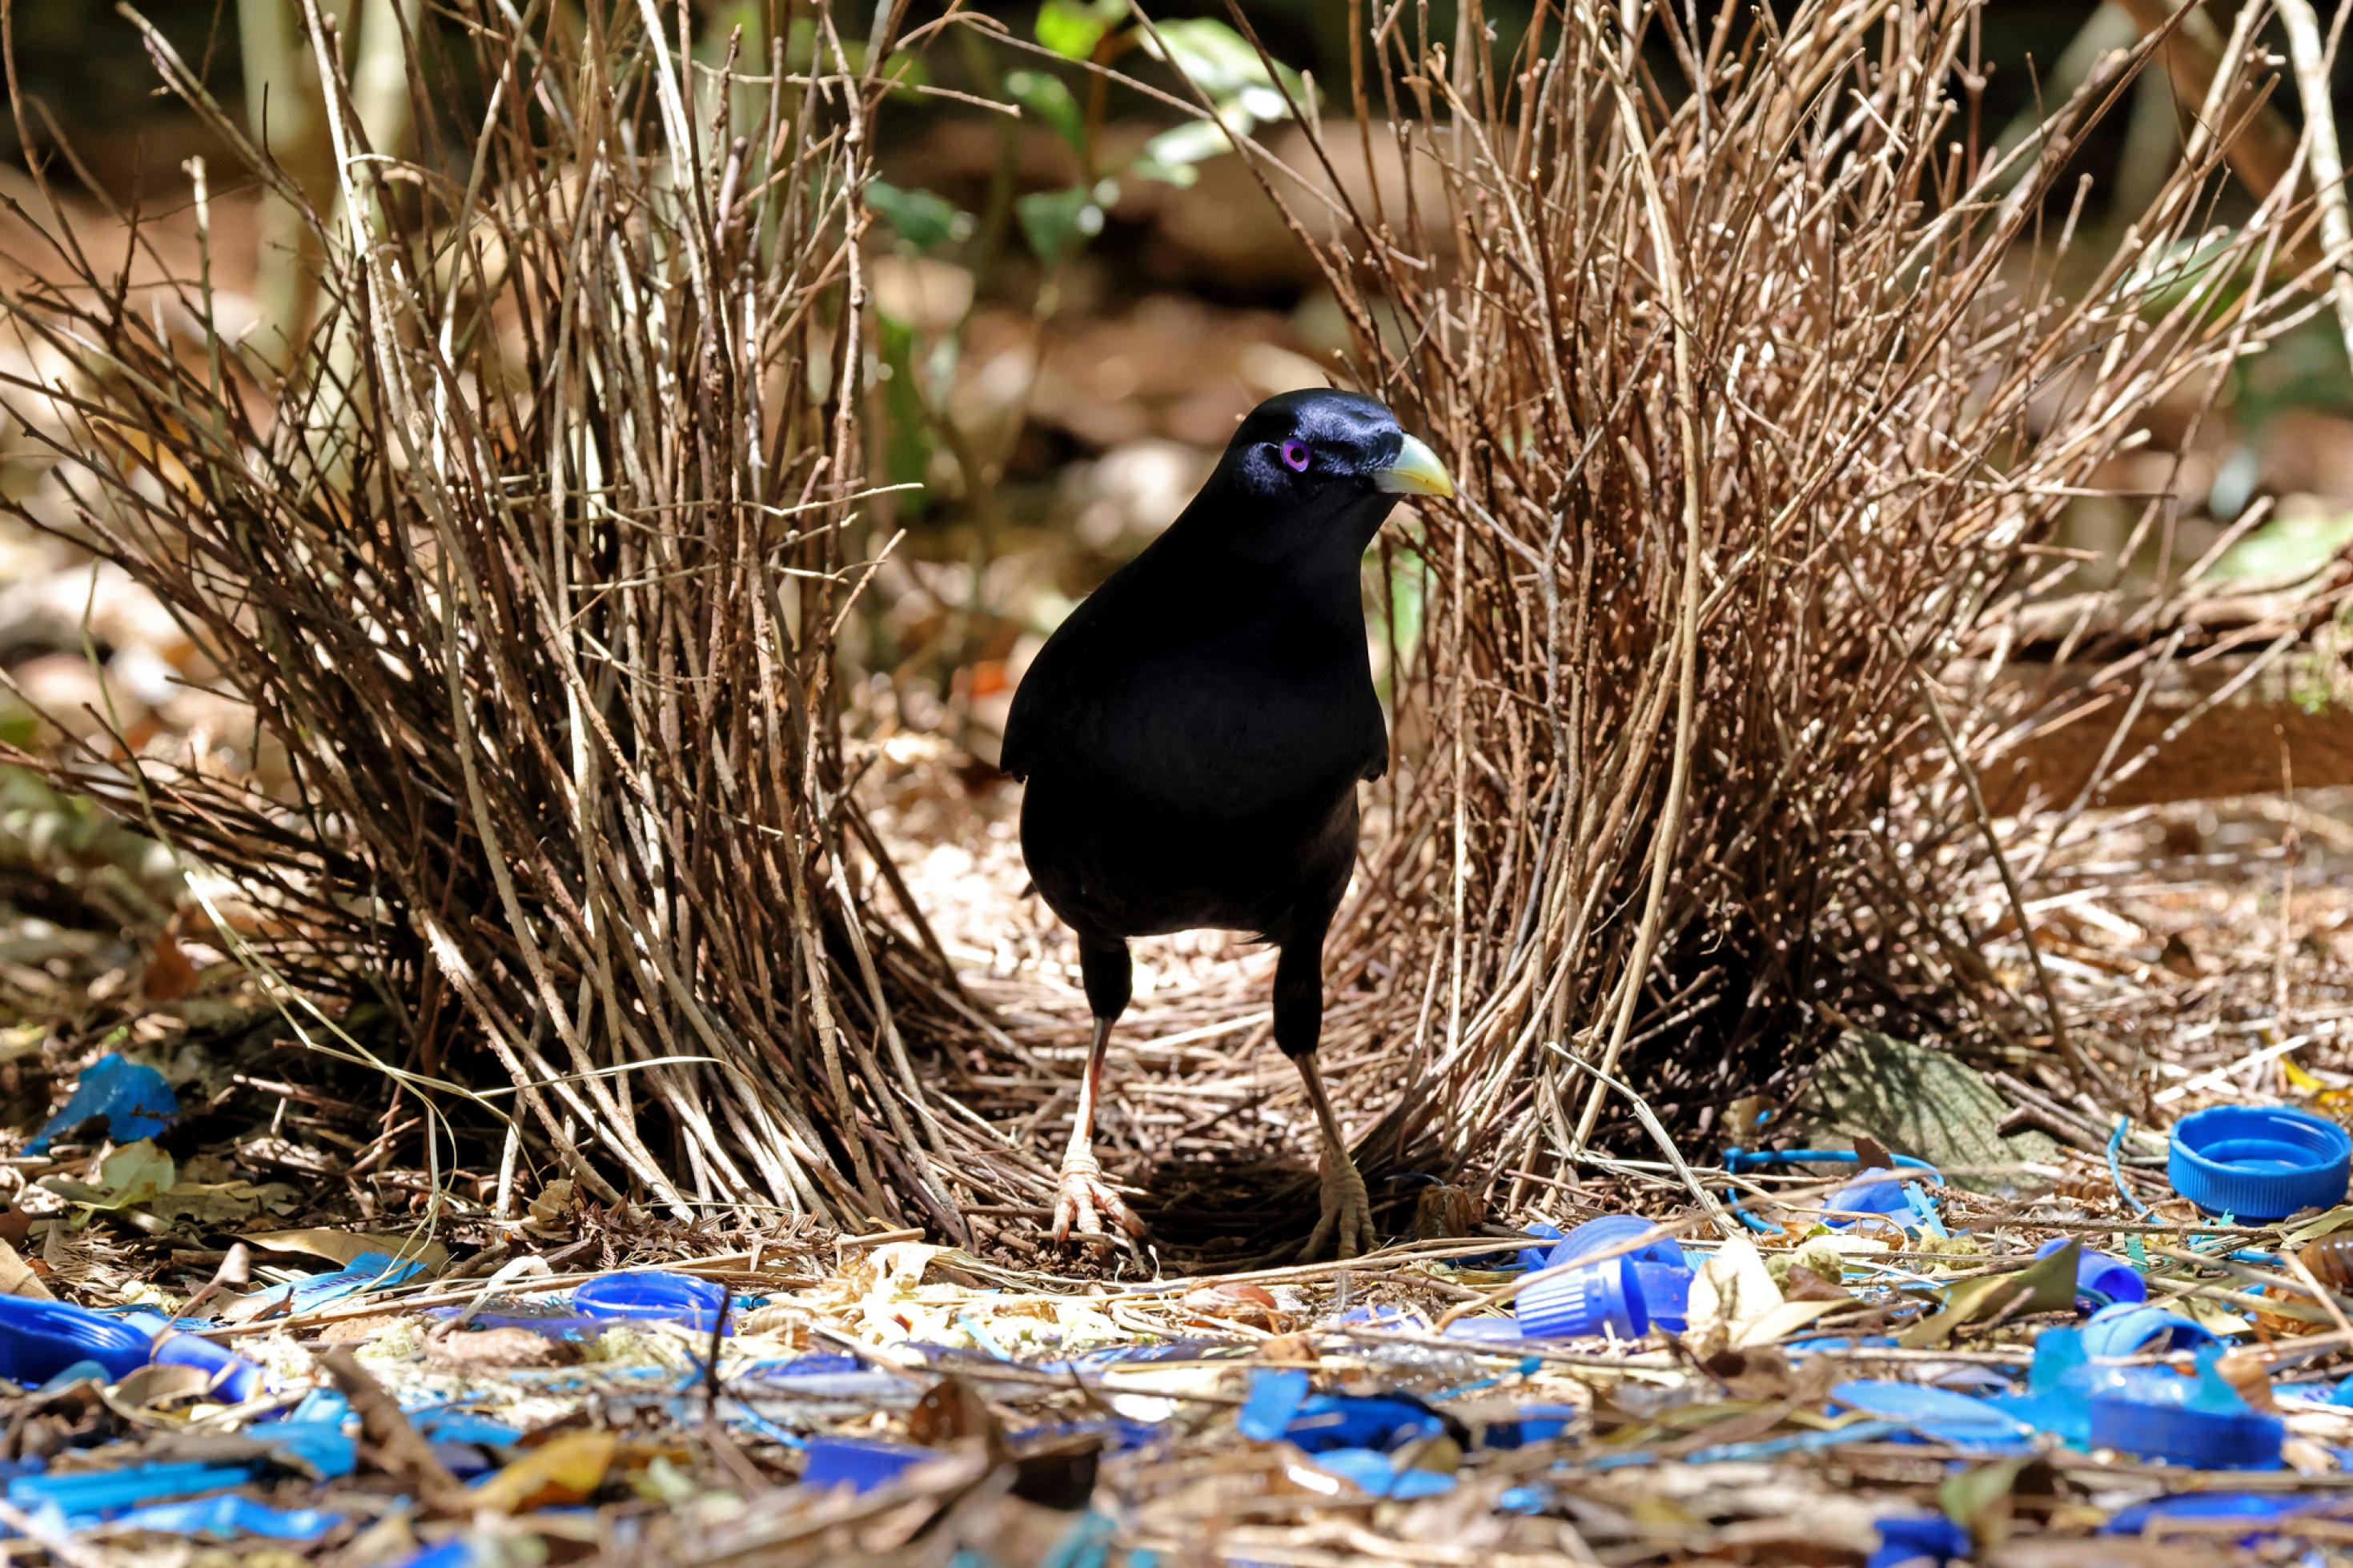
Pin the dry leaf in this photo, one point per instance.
(341, 1247)
(567, 1469)
(1731, 1293)
(170, 976)
(2046, 1286)
(16, 1276)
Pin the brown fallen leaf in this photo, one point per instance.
(170, 976)
(341, 1247)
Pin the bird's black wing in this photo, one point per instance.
(1051, 687)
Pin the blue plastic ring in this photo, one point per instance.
(655, 1293)
(2259, 1163)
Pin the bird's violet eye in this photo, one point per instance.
(1294, 455)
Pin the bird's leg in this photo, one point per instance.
(1347, 1218)
(1084, 1202)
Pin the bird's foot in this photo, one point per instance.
(1347, 1223)
(1084, 1202)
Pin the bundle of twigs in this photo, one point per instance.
(530, 549)
(1764, 377)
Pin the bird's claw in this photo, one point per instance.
(1347, 1220)
(1083, 1202)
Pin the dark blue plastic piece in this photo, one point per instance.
(88, 1496)
(2100, 1280)
(1530, 1258)
(1381, 1422)
(2129, 1328)
(1611, 1230)
(1916, 1543)
(2201, 1422)
(860, 1463)
(655, 1293)
(1533, 1424)
(1591, 1298)
(2259, 1163)
(39, 1339)
(133, 1099)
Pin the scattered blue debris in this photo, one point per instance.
(861, 1464)
(1939, 1415)
(133, 1099)
(658, 1294)
(228, 1516)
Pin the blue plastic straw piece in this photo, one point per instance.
(2117, 1170)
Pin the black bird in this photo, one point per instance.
(1194, 734)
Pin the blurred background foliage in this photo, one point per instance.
(1076, 288)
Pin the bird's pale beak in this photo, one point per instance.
(1415, 471)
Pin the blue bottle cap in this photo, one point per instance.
(1666, 1293)
(1610, 1230)
(654, 1293)
(2204, 1439)
(2259, 1163)
(2128, 1327)
(39, 1339)
(2100, 1280)
(1589, 1299)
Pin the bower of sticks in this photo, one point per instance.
(594, 781)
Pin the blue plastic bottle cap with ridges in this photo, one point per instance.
(2129, 1328)
(1601, 1233)
(2259, 1163)
(1585, 1300)
(654, 1293)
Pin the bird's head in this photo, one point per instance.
(1323, 465)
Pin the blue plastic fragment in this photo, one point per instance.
(655, 1293)
(1380, 1422)
(2100, 1280)
(2201, 1422)
(2259, 1163)
(234, 1379)
(1275, 1398)
(1120, 1433)
(2130, 1327)
(1914, 1542)
(860, 1463)
(1087, 1543)
(39, 1339)
(88, 1496)
(1529, 1498)
(2252, 1507)
(1875, 1191)
(368, 1271)
(229, 1515)
(455, 1552)
(1666, 1295)
(1527, 1258)
(1497, 1330)
(134, 1100)
(449, 1426)
(78, 1372)
(1376, 1475)
(1939, 1414)
(1532, 1424)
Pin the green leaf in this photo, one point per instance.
(1171, 154)
(2047, 1286)
(1046, 97)
(132, 1175)
(907, 430)
(1073, 28)
(922, 218)
(1051, 221)
(1224, 64)
(2287, 548)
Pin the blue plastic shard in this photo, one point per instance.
(1532, 1424)
(368, 1271)
(1275, 1398)
(2252, 1508)
(660, 1294)
(1086, 1544)
(132, 1097)
(229, 1515)
(1930, 1541)
(1380, 1422)
(88, 1496)
(76, 1371)
(448, 1426)
(1376, 1475)
(860, 1463)
(1939, 1415)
